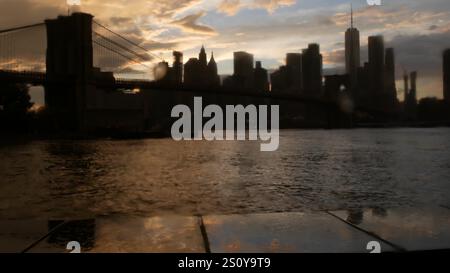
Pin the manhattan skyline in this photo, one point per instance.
(268, 29)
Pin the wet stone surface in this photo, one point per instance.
(410, 229)
(170, 234)
(285, 232)
(413, 229)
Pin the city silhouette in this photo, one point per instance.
(83, 96)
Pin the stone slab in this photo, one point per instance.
(414, 229)
(17, 235)
(285, 233)
(177, 234)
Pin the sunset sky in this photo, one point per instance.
(418, 30)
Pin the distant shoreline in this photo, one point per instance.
(162, 135)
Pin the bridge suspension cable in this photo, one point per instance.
(128, 40)
(122, 55)
(21, 28)
(23, 48)
(119, 45)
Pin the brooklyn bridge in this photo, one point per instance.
(95, 78)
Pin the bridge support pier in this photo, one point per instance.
(69, 69)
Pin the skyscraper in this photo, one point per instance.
(192, 73)
(406, 87)
(261, 78)
(202, 57)
(279, 79)
(413, 91)
(352, 52)
(312, 70)
(177, 68)
(243, 70)
(376, 65)
(288, 78)
(390, 88)
(294, 70)
(361, 95)
(410, 104)
(446, 72)
(213, 79)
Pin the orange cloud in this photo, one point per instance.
(231, 7)
(190, 23)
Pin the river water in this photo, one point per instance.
(312, 170)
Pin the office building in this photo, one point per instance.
(243, 70)
(376, 65)
(312, 70)
(177, 68)
(446, 74)
(261, 78)
(352, 52)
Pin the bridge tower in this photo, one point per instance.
(69, 64)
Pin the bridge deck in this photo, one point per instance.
(40, 78)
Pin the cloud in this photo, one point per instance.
(120, 20)
(393, 19)
(155, 46)
(138, 9)
(272, 5)
(169, 8)
(421, 52)
(232, 7)
(24, 12)
(74, 2)
(190, 23)
(418, 30)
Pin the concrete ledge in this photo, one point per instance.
(316, 232)
(410, 228)
(17, 236)
(285, 233)
(172, 234)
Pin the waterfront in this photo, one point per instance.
(313, 170)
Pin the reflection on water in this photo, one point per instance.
(312, 170)
(356, 216)
(412, 229)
